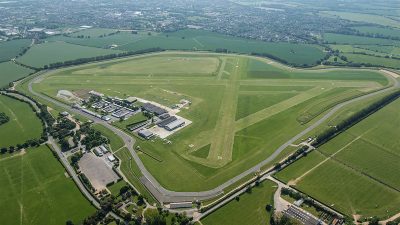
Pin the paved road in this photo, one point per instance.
(65, 162)
(164, 195)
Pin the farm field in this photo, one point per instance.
(386, 62)
(389, 32)
(52, 52)
(94, 32)
(359, 157)
(297, 54)
(227, 145)
(118, 40)
(11, 49)
(34, 193)
(363, 17)
(249, 210)
(23, 125)
(332, 38)
(10, 72)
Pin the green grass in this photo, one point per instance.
(53, 52)
(23, 125)
(300, 167)
(378, 30)
(297, 54)
(10, 72)
(345, 190)
(202, 152)
(34, 192)
(133, 174)
(11, 49)
(357, 40)
(115, 141)
(380, 61)
(251, 103)
(204, 40)
(190, 156)
(249, 210)
(131, 120)
(94, 32)
(364, 163)
(362, 17)
(115, 188)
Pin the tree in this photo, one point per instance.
(69, 222)
(374, 221)
(268, 208)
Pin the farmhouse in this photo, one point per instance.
(153, 109)
(146, 134)
(172, 126)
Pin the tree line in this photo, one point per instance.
(3, 118)
(42, 115)
(345, 124)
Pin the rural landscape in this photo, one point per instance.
(228, 112)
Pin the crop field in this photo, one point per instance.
(379, 30)
(52, 52)
(358, 40)
(11, 49)
(363, 159)
(23, 124)
(118, 40)
(34, 192)
(94, 32)
(362, 17)
(386, 62)
(250, 209)
(297, 54)
(10, 72)
(227, 135)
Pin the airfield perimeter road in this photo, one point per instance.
(65, 162)
(163, 195)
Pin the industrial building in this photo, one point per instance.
(174, 125)
(145, 134)
(153, 109)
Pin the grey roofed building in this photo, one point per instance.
(153, 109)
(172, 126)
(145, 134)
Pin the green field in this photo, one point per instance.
(297, 54)
(389, 32)
(332, 38)
(119, 40)
(53, 52)
(11, 49)
(367, 59)
(94, 32)
(115, 141)
(10, 72)
(35, 191)
(362, 17)
(217, 145)
(361, 158)
(23, 125)
(249, 210)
